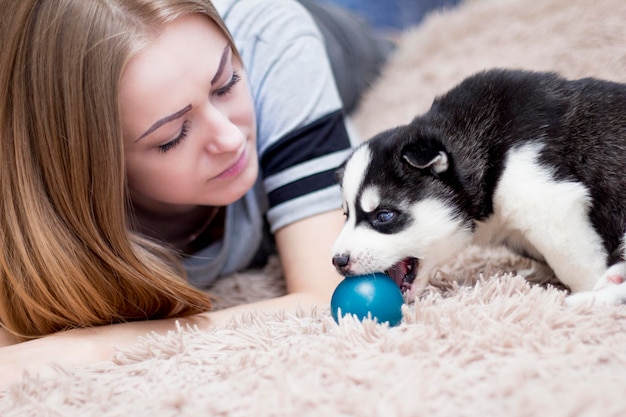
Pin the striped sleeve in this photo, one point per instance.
(304, 161)
(299, 170)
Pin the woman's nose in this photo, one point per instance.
(222, 135)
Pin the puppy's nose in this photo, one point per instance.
(341, 261)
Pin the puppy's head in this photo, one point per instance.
(401, 203)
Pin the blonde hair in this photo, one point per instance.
(68, 257)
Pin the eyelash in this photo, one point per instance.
(183, 133)
(228, 87)
(177, 140)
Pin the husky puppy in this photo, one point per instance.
(524, 159)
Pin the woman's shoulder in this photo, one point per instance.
(286, 62)
(272, 19)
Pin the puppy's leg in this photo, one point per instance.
(553, 216)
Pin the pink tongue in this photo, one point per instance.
(397, 272)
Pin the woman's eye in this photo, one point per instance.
(384, 216)
(177, 140)
(228, 87)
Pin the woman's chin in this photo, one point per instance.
(237, 187)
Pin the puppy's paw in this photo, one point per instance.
(536, 271)
(615, 275)
(613, 294)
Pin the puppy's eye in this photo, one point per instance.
(384, 216)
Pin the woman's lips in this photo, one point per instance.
(236, 168)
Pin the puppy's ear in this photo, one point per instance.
(426, 154)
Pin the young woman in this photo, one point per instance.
(145, 152)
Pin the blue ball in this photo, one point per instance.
(374, 294)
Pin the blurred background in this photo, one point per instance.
(392, 16)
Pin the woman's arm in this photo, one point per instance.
(305, 251)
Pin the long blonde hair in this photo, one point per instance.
(68, 258)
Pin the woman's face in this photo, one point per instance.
(188, 120)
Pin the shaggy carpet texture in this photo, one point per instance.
(481, 341)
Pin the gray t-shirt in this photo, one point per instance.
(301, 131)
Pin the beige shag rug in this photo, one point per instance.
(481, 342)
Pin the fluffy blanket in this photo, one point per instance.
(481, 342)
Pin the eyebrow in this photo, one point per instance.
(222, 65)
(164, 120)
(180, 113)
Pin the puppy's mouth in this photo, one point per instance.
(404, 272)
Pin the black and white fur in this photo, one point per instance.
(525, 159)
